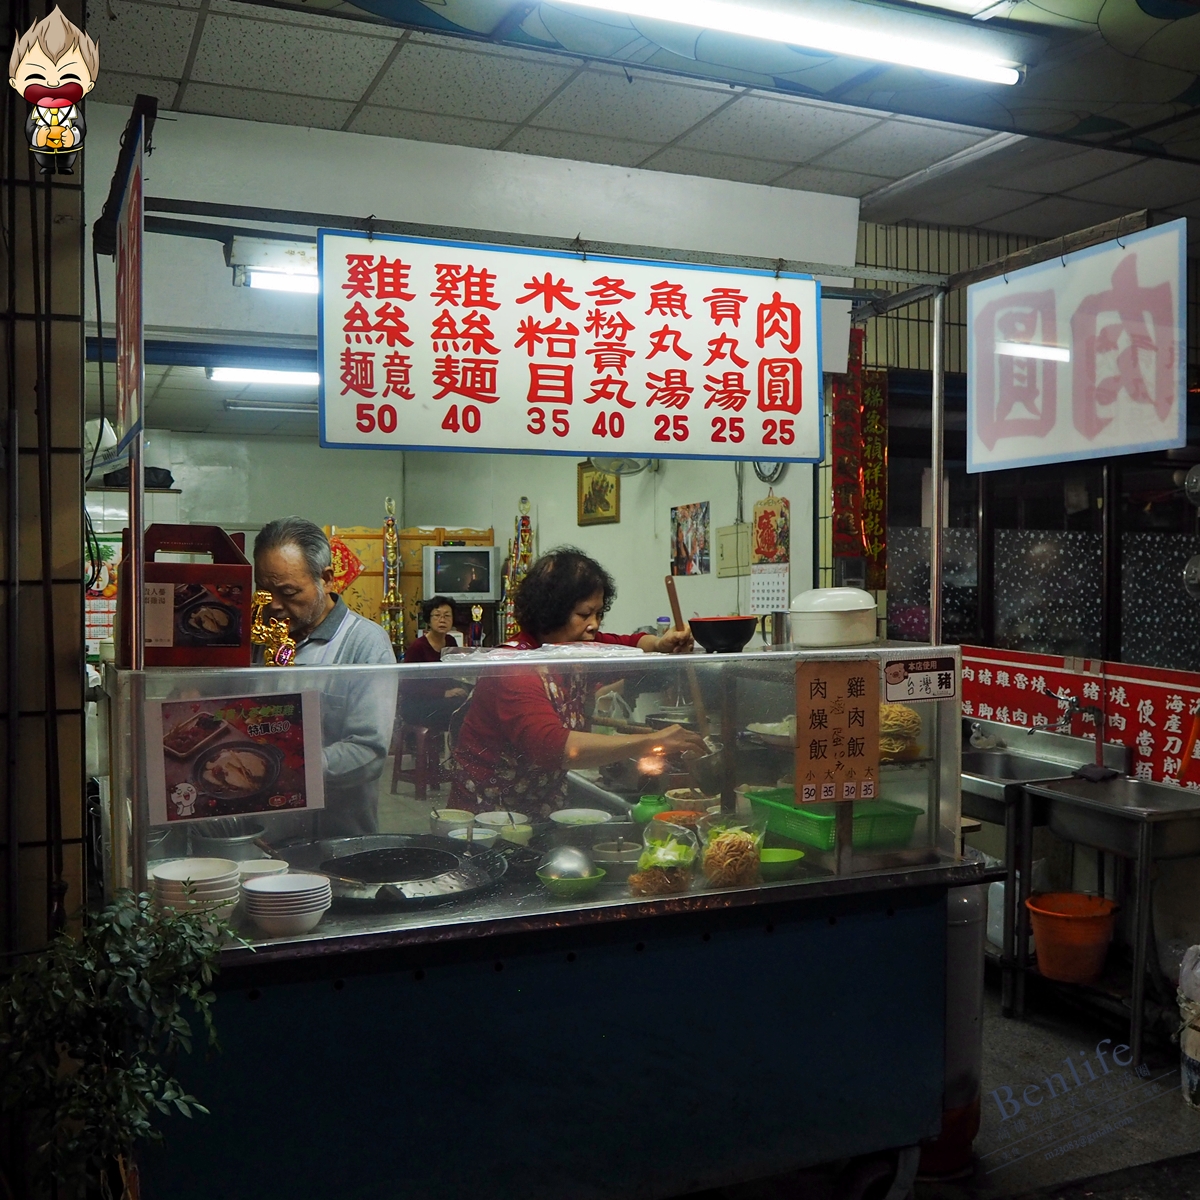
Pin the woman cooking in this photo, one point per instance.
(523, 731)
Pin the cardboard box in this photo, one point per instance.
(196, 614)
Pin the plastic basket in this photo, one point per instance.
(878, 824)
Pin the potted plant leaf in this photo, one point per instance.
(89, 1031)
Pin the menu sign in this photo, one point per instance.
(461, 346)
(234, 755)
(837, 730)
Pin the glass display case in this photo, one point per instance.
(511, 789)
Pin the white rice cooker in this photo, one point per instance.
(837, 616)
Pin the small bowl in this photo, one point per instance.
(580, 816)
(288, 925)
(686, 800)
(519, 835)
(479, 836)
(686, 817)
(261, 866)
(500, 819)
(571, 889)
(779, 863)
(193, 870)
(723, 635)
(442, 820)
(620, 862)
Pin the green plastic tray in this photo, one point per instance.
(878, 824)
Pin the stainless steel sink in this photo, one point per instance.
(1010, 767)
(1108, 815)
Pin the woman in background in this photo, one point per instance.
(428, 702)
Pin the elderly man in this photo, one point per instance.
(293, 562)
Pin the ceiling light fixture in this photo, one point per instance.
(279, 282)
(264, 407)
(252, 375)
(1033, 350)
(904, 39)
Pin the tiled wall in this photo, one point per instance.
(58, 214)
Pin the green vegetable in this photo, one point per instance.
(671, 853)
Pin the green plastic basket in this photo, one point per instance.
(878, 824)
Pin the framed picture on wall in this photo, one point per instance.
(597, 496)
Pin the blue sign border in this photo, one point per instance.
(569, 256)
(1179, 229)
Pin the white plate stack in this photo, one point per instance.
(196, 884)
(282, 905)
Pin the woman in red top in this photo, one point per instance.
(428, 702)
(524, 730)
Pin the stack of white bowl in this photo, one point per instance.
(283, 905)
(196, 884)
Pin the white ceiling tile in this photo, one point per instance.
(1152, 184)
(321, 15)
(142, 36)
(467, 83)
(897, 148)
(787, 132)
(966, 208)
(681, 161)
(301, 61)
(605, 103)
(554, 143)
(115, 87)
(1052, 216)
(428, 127)
(835, 183)
(261, 106)
(1050, 167)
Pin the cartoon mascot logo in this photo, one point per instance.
(54, 65)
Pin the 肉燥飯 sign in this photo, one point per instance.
(1080, 357)
(837, 730)
(460, 346)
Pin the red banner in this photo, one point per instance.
(1154, 711)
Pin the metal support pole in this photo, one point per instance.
(938, 471)
(1141, 937)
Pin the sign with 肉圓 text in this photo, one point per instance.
(837, 730)
(1084, 356)
(461, 346)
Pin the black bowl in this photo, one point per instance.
(723, 635)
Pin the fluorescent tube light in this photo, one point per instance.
(265, 407)
(1033, 350)
(250, 375)
(280, 282)
(927, 43)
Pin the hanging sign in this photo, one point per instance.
(837, 730)
(431, 345)
(129, 331)
(1080, 357)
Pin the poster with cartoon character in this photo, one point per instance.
(54, 65)
(227, 756)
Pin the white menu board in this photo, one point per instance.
(458, 346)
(1083, 356)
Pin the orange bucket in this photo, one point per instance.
(1072, 932)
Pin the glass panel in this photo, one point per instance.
(908, 584)
(1048, 591)
(535, 735)
(1159, 619)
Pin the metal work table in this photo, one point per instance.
(1135, 820)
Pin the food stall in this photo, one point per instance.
(455, 1016)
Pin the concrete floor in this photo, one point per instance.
(1117, 1123)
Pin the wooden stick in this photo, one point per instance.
(694, 683)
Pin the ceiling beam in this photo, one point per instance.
(1058, 247)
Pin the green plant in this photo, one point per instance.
(89, 1031)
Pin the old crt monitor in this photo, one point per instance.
(465, 574)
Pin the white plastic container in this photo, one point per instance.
(839, 616)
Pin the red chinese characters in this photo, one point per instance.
(610, 350)
(371, 278)
(670, 389)
(727, 391)
(473, 377)
(779, 383)
(1015, 396)
(1125, 345)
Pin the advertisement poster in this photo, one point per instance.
(100, 599)
(689, 539)
(438, 345)
(232, 755)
